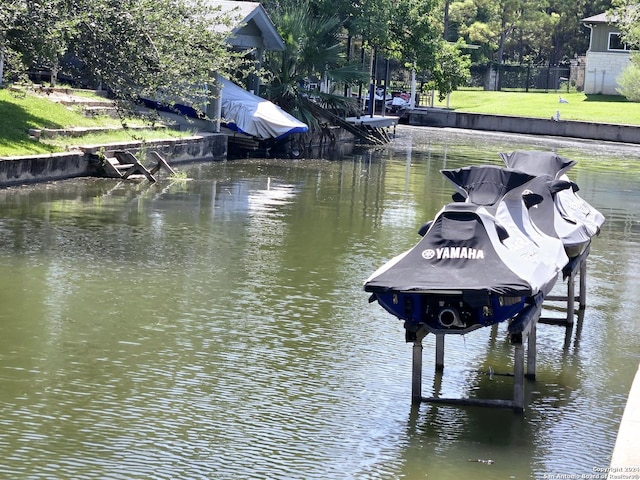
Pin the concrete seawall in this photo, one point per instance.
(440, 117)
(83, 162)
(39, 168)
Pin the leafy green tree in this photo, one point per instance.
(522, 31)
(569, 36)
(44, 31)
(627, 15)
(451, 68)
(416, 33)
(407, 31)
(153, 48)
(10, 10)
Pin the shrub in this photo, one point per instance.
(629, 79)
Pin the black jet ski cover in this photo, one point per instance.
(487, 184)
(511, 196)
(536, 162)
(466, 249)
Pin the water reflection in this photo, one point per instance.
(216, 327)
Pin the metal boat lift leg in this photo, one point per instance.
(518, 376)
(439, 352)
(571, 291)
(578, 267)
(522, 330)
(416, 370)
(583, 284)
(416, 373)
(531, 353)
(571, 298)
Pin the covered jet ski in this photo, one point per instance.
(540, 195)
(575, 220)
(480, 262)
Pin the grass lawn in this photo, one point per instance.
(20, 112)
(587, 108)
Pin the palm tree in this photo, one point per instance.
(313, 48)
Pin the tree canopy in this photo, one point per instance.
(131, 47)
(523, 31)
(169, 46)
(627, 15)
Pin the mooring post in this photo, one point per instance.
(439, 352)
(518, 373)
(583, 284)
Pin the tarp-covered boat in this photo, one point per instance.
(242, 111)
(247, 113)
(480, 262)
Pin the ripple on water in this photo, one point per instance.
(221, 331)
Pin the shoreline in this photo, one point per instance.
(442, 117)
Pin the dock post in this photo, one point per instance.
(439, 352)
(416, 367)
(518, 374)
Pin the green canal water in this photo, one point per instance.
(216, 328)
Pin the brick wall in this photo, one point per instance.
(602, 71)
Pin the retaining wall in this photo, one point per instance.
(84, 161)
(38, 168)
(440, 117)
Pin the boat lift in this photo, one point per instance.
(557, 212)
(577, 267)
(522, 330)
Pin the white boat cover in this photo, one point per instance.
(570, 206)
(245, 112)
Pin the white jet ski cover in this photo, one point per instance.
(476, 183)
(510, 196)
(245, 112)
(570, 205)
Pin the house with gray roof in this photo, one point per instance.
(607, 56)
(251, 29)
